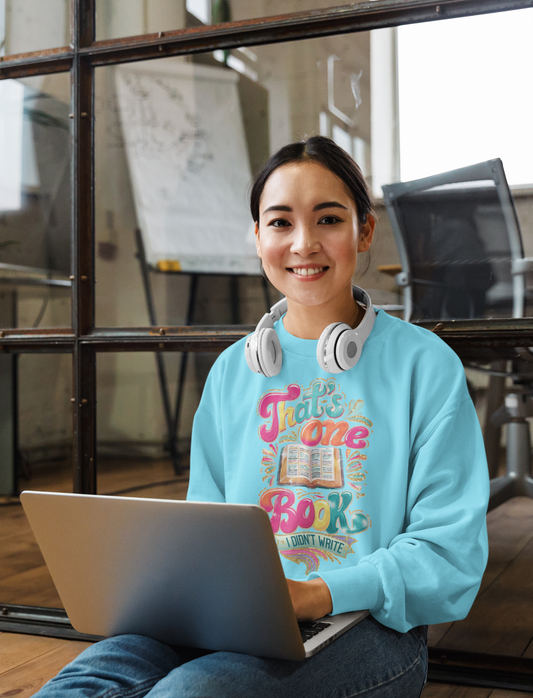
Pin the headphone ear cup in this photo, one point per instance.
(325, 349)
(347, 349)
(320, 347)
(269, 355)
(250, 353)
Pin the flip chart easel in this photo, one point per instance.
(189, 166)
(172, 413)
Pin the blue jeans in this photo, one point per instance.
(369, 660)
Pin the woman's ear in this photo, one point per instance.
(366, 234)
(257, 240)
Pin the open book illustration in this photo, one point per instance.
(311, 467)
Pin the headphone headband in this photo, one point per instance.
(275, 313)
(338, 348)
(364, 328)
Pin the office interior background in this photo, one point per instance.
(99, 383)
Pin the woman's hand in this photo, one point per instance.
(311, 599)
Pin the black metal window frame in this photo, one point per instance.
(83, 340)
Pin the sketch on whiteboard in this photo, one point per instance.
(163, 134)
(189, 166)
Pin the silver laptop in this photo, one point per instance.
(185, 573)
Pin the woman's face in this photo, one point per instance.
(308, 234)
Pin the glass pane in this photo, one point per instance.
(135, 455)
(35, 202)
(464, 233)
(38, 456)
(170, 181)
(177, 141)
(488, 127)
(119, 18)
(33, 25)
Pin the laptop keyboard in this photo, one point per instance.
(310, 628)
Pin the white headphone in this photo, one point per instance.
(338, 348)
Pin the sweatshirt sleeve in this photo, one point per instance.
(206, 482)
(431, 572)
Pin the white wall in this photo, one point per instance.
(118, 18)
(34, 25)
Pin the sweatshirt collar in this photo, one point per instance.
(307, 347)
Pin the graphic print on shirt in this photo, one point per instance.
(312, 466)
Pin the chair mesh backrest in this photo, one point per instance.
(457, 243)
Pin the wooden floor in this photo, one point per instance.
(24, 578)
(442, 690)
(501, 621)
(27, 662)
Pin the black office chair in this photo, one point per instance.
(462, 257)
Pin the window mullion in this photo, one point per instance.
(84, 368)
(84, 417)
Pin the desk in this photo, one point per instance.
(390, 269)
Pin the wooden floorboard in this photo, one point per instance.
(112, 480)
(510, 528)
(443, 690)
(436, 633)
(501, 620)
(24, 577)
(16, 649)
(114, 475)
(13, 521)
(19, 552)
(39, 659)
(33, 587)
(528, 654)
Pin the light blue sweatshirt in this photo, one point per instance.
(374, 479)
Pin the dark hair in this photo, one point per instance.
(327, 153)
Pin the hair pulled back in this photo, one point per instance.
(328, 154)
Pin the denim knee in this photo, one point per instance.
(125, 665)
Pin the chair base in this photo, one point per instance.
(517, 482)
(509, 486)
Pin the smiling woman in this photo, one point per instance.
(312, 216)
(351, 460)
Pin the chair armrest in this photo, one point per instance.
(403, 278)
(522, 265)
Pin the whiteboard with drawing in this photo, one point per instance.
(189, 166)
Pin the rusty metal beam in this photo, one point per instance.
(479, 669)
(37, 347)
(460, 334)
(57, 60)
(82, 98)
(484, 329)
(17, 341)
(84, 22)
(302, 25)
(84, 419)
(83, 297)
(83, 197)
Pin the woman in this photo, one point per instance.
(368, 459)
